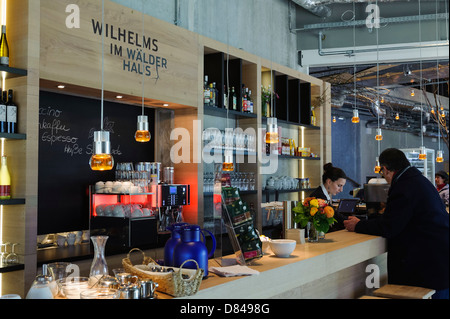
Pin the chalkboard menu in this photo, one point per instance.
(66, 127)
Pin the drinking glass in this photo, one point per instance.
(59, 270)
(100, 293)
(12, 258)
(3, 253)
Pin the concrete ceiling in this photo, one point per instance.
(374, 68)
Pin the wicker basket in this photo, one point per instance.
(171, 283)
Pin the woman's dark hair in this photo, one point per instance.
(332, 173)
(393, 159)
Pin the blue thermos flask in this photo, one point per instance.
(172, 242)
(191, 247)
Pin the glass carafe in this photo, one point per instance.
(99, 268)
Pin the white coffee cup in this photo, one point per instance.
(99, 187)
(61, 241)
(118, 211)
(146, 212)
(137, 213)
(108, 211)
(100, 209)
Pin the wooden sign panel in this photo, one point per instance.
(136, 48)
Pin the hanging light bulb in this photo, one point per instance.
(397, 116)
(379, 136)
(423, 153)
(102, 159)
(355, 118)
(412, 93)
(142, 134)
(334, 119)
(377, 168)
(440, 156)
(272, 131)
(227, 165)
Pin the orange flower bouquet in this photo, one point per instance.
(316, 211)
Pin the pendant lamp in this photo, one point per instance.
(355, 118)
(101, 159)
(142, 134)
(272, 130)
(227, 165)
(440, 156)
(377, 168)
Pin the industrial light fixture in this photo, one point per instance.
(355, 118)
(142, 134)
(423, 153)
(272, 130)
(379, 135)
(377, 168)
(412, 93)
(227, 165)
(440, 156)
(271, 125)
(101, 159)
(397, 116)
(334, 119)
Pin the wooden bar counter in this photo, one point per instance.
(331, 268)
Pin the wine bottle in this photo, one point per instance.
(11, 113)
(233, 99)
(3, 124)
(4, 48)
(5, 180)
(206, 92)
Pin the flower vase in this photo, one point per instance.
(313, 233)
(99, 268)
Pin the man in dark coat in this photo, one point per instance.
(415, 224)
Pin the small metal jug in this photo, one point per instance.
(130, 292)
(148, 288)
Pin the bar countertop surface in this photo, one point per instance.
(309, 262)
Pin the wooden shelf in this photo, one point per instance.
(12, 201)
(13, 136)
(8, 268)
(217, 111)
(13, 72)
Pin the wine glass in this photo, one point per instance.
(3, 253)
(12, 258)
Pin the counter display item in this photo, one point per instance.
(239, 222)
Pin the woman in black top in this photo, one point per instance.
(333, 181)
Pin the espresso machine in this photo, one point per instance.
(375, 196)
(172, 198)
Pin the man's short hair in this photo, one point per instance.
(393, 159)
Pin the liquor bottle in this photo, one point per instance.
(225, 97)
(233, 99)
(243, 99)
(11, 113)
(212, 95)
(216, 95)
(5, 180)
(206, 92)
(3, 124)
(250, 102)
(4, 48)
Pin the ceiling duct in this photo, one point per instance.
(319, 8)
(315, 8)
